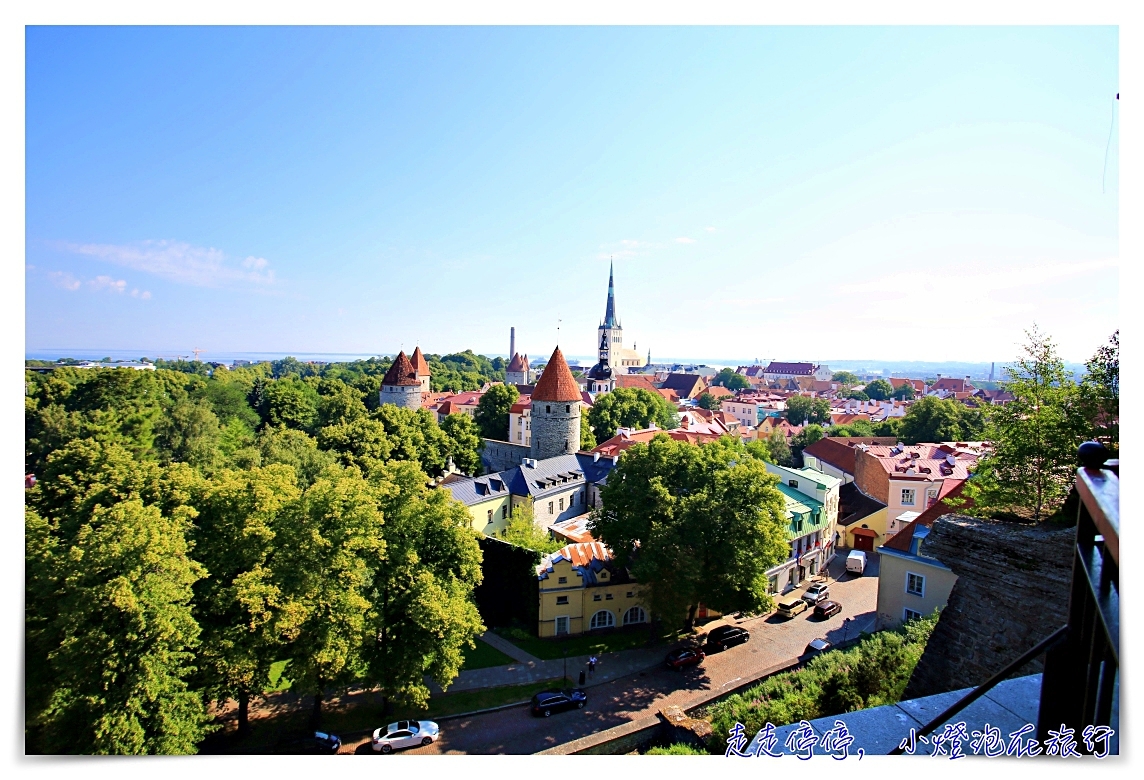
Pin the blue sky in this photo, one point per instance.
(817, 193)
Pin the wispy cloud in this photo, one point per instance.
(710, 229)
(144, 295)
(684, 240)
(65, 280)
(181, 262)
(108, 283)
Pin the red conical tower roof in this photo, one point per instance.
(401, 373)
(556, 383)
(420, 364)
(517, 366)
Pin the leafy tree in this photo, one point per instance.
(361, 442)
(521, 530)
(708, 401)
(891, 426)
(234, 540)
(845, 378)
(879, 390)
(779, 448)
(228, 400)
(630, 407)
(292, 403)
(492, 411)
(801, 410)
(111, 581)
(1035, 436)
(803, 439)
(291, 367)
(731, 380)
(415, 435)
(858, 395)
(189, 432)
(293, 448)
(464, 442)
(339, 403)
(856, 428)
(932, 419)
(421, 609)
(904, 393)
(587, 438)
(327, 549)
(1100, 393)
(708, 521)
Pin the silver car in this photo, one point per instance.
(404, 734)
(816, 593)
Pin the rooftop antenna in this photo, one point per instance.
(558, 321)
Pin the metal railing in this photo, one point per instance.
(1082, 674)
(1082, 661)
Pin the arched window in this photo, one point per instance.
(603, 619)
(635, 615)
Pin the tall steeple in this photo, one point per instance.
(610, 312)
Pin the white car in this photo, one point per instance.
(405, 733)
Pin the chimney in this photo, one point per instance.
(511, 343)
(595, 457)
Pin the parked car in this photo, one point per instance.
(318, 742)
(825, 609)
(856, 562)
(677, 659)
(817, 646)
(547, 702)
(404, 734)
(816, 593)
(722, 637)
(792, 607)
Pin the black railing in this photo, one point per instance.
(1082, 661)
(1082, 675)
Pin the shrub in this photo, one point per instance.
(678, 749)
(872, 673)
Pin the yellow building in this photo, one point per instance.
(488, 500)
(582, 589)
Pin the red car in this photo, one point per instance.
(677, 659)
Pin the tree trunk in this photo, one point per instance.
(243, 713)
(316, 713)
(691, 616)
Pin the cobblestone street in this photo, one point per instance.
(642, 694)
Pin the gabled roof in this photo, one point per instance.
(834, 452)
(919, 385)
(557, 382)
(518, 364)
(420, 364)
(903, 539)
(955, 385)
(854, 505)
(792, 369)
(635, 380)
(401, 373)
(685, 385)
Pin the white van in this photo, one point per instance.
(856, 561)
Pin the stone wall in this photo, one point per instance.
(555, 428)
(502, 455)
(1012, 591)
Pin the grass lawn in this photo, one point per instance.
(580, 645)
(483, 656)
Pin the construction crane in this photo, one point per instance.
(196, 350)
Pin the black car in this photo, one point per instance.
(318, 742)
(825, 609)
(726, 636)
(547, 702)
(677, 659)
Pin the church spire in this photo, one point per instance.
(610, 312)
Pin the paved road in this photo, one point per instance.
(773, 641)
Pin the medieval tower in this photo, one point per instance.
(556, 405)
(421, 366)
(401, 386)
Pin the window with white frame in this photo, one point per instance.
(907, 496)
(909, 614)
(635, 615)
(915, 584)
(603, 619)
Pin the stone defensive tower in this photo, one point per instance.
(421, 366)
(556, 403)
(401, 386)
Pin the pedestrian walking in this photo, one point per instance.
(592, 665)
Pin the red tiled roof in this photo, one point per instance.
(620, 442)
(401, 373)
(635, 380)
(834, 452)
(669, 394)
(557, 382)
(518, 364)
(718, 392)
(583, 553)
(420, 364)
(930, 456)
(950, 489)
(918, 385)
(522, 403)
(949, 383)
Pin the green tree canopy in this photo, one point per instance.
(932, 419)
(464, 442)
(630, 407)
(1100, 393)
(879, 390)
(801, 409)
(904, 393)
(293, 403)
(708, 401)
(845, 378)
(731, 380)
(587, 438)
(492, 411)
(708, 521)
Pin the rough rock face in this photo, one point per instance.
(677, 727)
(1011, 592)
